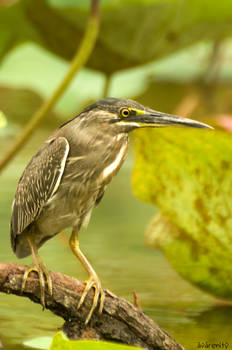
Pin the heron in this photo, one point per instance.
(68, 177)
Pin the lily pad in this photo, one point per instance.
(42, 343)
(60, 342)
(187, 174)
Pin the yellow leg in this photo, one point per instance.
(38, 266)
(93, 280)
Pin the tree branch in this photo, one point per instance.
(83, 53)
(120, 321)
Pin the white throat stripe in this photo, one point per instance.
(110, 168)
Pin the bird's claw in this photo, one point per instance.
(99, 294)
(42, 271)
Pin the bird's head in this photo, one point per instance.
(126, 115)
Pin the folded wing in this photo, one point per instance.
(39, 181)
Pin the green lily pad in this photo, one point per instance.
(42, 343)
(187, 174)
(60, 342)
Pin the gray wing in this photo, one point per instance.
(38, 183)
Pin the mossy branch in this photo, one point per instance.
(80, 58)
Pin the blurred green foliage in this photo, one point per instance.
(187, 175)
(132, 32)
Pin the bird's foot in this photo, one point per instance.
(39, 267)
(99, 295)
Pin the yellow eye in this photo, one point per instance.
(125, 112)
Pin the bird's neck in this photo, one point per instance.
(100, 155)
(114, 156)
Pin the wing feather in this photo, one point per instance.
(39, 181)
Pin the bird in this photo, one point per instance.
(67, 178)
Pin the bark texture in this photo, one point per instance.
(120, 321)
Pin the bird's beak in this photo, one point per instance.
(158, 119)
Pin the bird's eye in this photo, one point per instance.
(125, 112)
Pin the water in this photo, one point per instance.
(114, 244)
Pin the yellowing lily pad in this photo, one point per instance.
(187, 174)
